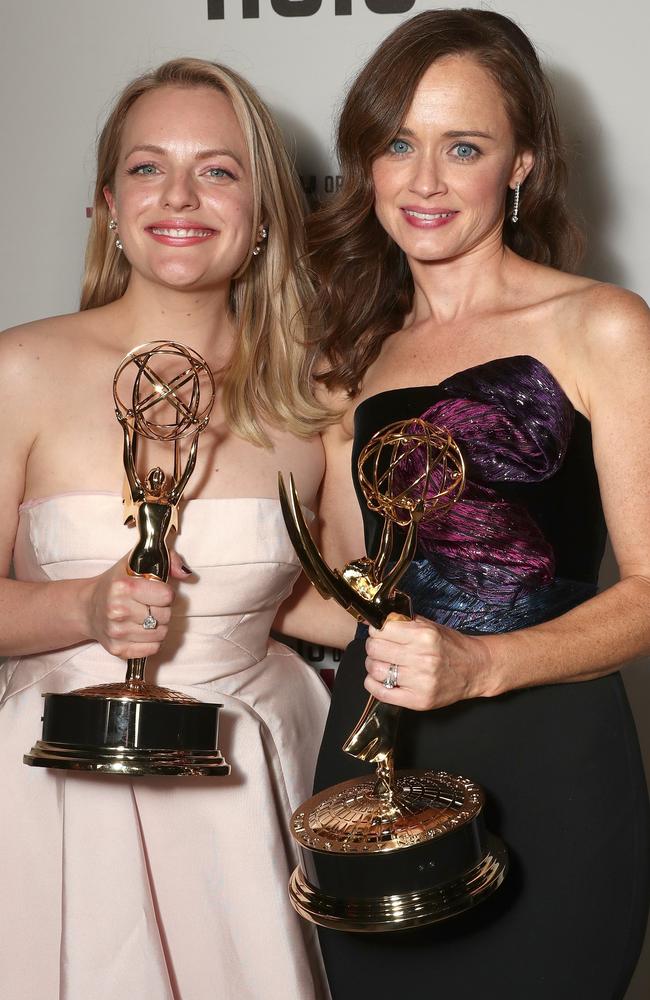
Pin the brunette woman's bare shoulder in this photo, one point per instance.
(534, 282)
(582, 306)
(609, 304)
(586, 296)
(616, 326)
(609, 340)
(601, 317)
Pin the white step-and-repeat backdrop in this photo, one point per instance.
(62, 63)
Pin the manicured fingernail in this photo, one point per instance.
(186, 569)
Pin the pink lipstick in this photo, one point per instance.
(180, 232)
(427, 218)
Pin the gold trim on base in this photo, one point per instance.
(121, 760)
(402, 911)
(135, 691)
(352, 818)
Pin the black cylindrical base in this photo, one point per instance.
(432, 901)
(129, 735)
(378, 861)
(365, 876)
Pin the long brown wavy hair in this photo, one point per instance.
(365, 285)
(269, 378)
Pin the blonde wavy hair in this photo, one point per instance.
(269, 377)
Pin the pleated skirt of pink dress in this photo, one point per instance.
(163, 888)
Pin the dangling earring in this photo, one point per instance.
(262, 233)
(514, 215)
(113, 226)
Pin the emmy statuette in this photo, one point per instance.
(395, 850)
(134, 727)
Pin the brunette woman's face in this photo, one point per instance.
(440, 186)
(182, 194)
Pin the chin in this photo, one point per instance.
(431, 255)
(434, 244)
(183, 282)
(184, 279)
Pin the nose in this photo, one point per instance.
(427, 178)
(179, 192)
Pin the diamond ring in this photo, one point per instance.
(150, 621)
(391, 677)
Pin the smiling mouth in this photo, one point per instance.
(180, 234)
(427, 216)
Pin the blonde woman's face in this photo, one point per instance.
(441, 185)
(182, 194)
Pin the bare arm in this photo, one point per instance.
(339, 533)
(306, 615)
(40, 616)
(439, 666)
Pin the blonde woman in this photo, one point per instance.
(166, 888)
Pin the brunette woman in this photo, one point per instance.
(445, 267)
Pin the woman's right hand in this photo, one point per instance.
(117, 605)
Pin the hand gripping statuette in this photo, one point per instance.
(397, 850)
(135, 727)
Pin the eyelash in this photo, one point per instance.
(141, 167)
(222, 170)
(394, 143)
(468, 145)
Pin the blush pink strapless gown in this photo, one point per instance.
(161, 888)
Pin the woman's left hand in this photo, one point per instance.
(436, 666)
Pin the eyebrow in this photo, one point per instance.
(455, 134)
(205, 154)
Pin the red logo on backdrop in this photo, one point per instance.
(304, 8)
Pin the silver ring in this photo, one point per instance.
(150, 621)
(391, 676)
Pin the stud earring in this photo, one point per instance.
(262, 233)
(514, 215)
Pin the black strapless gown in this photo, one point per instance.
(560, 763)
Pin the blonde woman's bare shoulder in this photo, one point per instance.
(35, 356)
(51, 335)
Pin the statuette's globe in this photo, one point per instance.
(170, 391)
(411, 469)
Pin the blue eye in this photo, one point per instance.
(465, 151)
(144, 169)
(219, 173)
(400, 146)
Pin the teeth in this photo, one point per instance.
(427, 217)
(180, 233)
